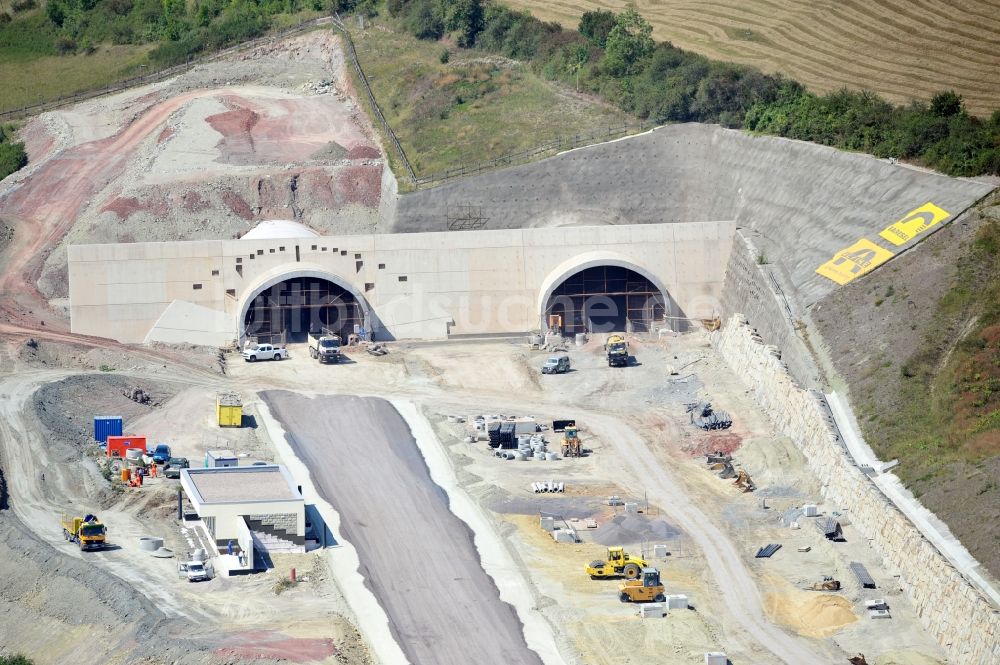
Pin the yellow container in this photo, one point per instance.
(229, 410)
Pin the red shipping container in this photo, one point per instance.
(117, 445)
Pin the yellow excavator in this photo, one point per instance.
(618, 564)
(643, 590)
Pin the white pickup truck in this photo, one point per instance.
(264, 352)
(194, 571)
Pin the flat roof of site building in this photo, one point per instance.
(241, 484)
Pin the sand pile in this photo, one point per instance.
(812, 614)
(629, 529)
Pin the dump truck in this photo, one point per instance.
(644, 589)
(264, 352)
(618, 564)
(86, 531)
(324, 346)
(617, 349)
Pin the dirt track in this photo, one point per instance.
(417, 557)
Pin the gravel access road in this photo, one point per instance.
(417, 557)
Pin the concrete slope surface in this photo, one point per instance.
(805, 201)
(418, 558)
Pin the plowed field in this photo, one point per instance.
(903, 50)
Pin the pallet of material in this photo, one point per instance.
(860, 572)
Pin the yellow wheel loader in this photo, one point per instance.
(647, 588)
(618, 564)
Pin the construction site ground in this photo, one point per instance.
(641, 447)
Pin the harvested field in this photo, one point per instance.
(903, 50)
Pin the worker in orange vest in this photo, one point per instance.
(152, 470)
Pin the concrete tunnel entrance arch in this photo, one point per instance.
(603, 293)
(285, 305)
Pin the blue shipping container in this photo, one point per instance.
(105, 426)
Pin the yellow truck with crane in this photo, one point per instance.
(88, 532)
(619, 563)
(644, 589)
(617, 349)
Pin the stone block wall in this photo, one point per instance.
(962, 620)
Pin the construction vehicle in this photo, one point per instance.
(324, 346)
(87, 531)
(571, 442)
(643, 589)
(743, 482)
(618, 564)
(826, 584)
(617, 349)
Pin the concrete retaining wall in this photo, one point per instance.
(752, 288)
(964, 622)
(806, 201)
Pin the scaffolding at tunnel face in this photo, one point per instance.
(290, 310)
(605, 299)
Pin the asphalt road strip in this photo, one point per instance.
(412, 538)
(369, 616)
(494, 557)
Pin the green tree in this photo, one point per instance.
(946, 104)
(629, 42)
(596, 26)
(464, 17)
(422, 21)
(16, 659)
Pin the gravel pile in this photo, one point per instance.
(631, 529)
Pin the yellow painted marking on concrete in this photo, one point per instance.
(915, 223)
(861, 257)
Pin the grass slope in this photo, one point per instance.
(48, 77)
(474, 107)
(903, 50)
(918, 343)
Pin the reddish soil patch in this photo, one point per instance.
(363, 152)
(165, 134)
(237, 204)
(360, 185)
(193, 202)
(276, 646)
(128, 206)
(710, 442)
(236, 127)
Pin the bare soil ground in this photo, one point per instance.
(619, 412)
(271, 133)
(125, 606)
(904, 51)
